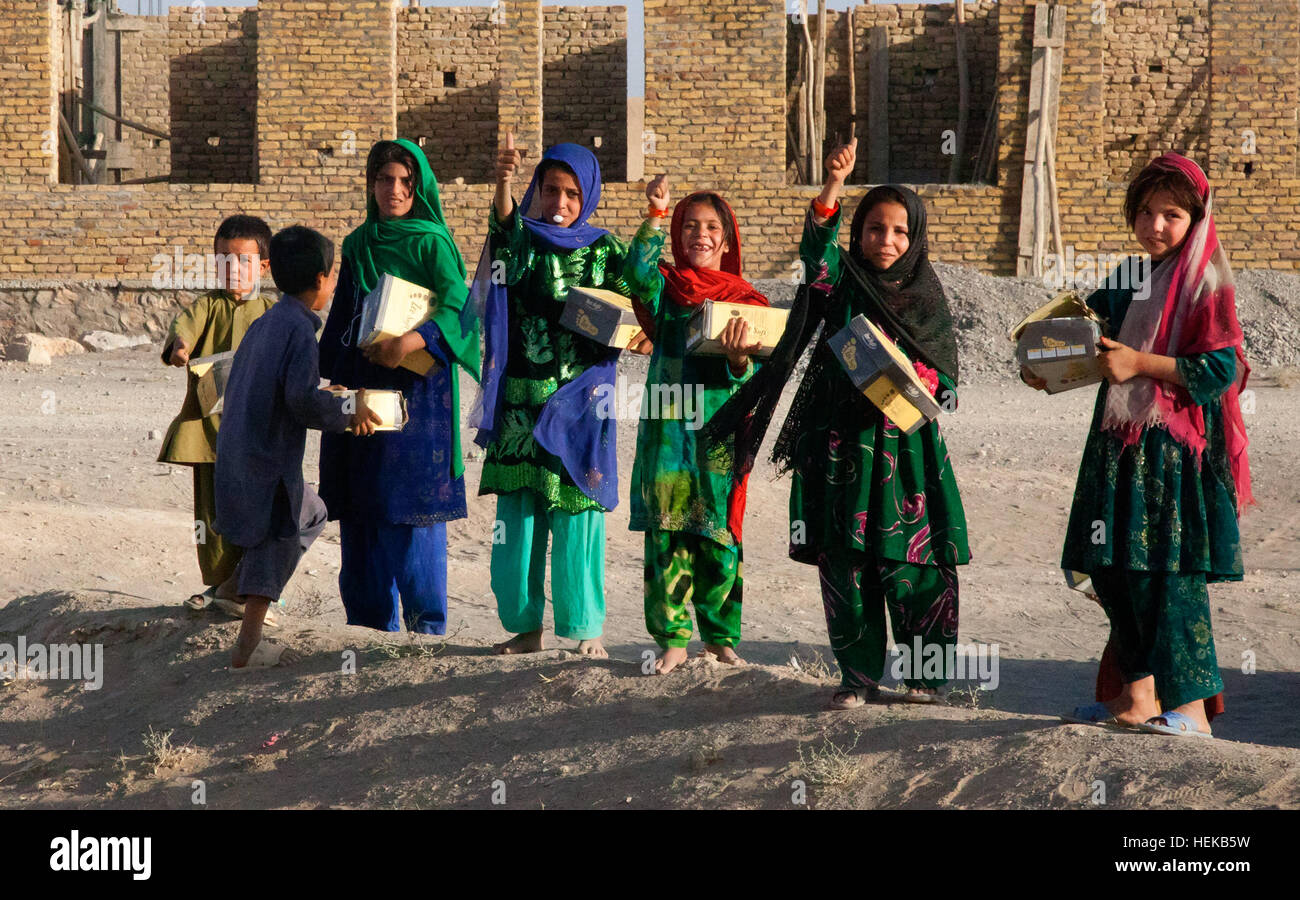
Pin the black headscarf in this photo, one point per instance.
(907, 298)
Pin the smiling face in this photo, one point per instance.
(1161, 225)
(884, 234)
(394, 190)
(704, 236)
(560, 196)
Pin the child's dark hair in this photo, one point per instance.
(386, 152)
(298, 255)
(1153, 179)
(245, 228)
(724, 215)
(547, 165)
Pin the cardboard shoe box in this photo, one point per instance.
(213, 372)
(392, 309)
(390, 405)
(880, 370)
(1062, 352)
(603, 316)
(766, 325)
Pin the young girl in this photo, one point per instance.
(1164, 473)
(688, 503)
(550, 457)
(394, 492)
(877, 511)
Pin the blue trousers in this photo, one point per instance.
(386, 564)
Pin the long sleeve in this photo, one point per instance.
(638, 274)
(1208, 375)
(819, 247)
(307, 403)
(439, 260)
(338, 323)
(510, 245)
(187, 326)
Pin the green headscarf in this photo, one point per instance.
(418, 248)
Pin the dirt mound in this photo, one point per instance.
(368, 720)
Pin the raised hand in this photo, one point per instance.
(657, 193)
(839, 165)
(508, 160)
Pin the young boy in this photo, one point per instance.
(215, 323)
(272, 398)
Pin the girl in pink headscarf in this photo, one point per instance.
(1164, 475)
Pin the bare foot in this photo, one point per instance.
(593, 648)
(724, 655)
(1137, 702)
(528, 642)
(669, 660)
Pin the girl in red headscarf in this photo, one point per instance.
(685, 499)
(1164, 474)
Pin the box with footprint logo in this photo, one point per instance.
(603, 316)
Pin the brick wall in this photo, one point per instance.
(212, 67)
(458, 121)
(146, 93)
(27, 113)
(923, 90)
(715, 90)
(584, 82)
(715, 104)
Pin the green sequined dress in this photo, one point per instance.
(544, 356)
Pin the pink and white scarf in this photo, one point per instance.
(1190, 309)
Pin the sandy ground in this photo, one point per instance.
(96, 548)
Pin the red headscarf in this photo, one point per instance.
(686, 285)
(1191, 309)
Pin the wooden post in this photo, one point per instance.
(853, 74)
(1036, 202)
(963, 96)
(878, 107)
(819, 76)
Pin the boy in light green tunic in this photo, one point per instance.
(214, 323)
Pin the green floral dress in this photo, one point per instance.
(675, 486)
(859, 482)
(544, 355)
(1151, 507)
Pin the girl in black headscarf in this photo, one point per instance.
(876, 510)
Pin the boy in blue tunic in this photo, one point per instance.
(272, 398)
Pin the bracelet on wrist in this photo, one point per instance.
(824, 212)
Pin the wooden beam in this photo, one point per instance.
(125, 121)
(878, 107)
(73, 150)
(963, 96)
(1036, 203)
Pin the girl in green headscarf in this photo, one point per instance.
(393, 492)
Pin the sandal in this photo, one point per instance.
(201, 601)
(852, 698)
(1175, 723)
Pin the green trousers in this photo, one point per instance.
(856, 591)
(681, 568)
(217, 556)
(1160, 627)
(577, 566)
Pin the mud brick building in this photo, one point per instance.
(270, 110)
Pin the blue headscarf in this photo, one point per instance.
(584, 166)
(568, 425)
